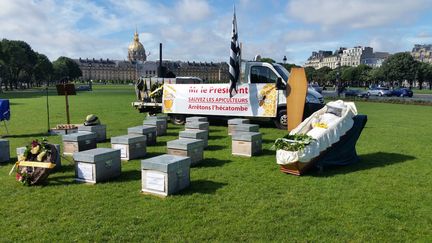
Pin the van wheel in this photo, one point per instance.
(178, 119)
(281, 120)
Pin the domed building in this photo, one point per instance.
(136, 51)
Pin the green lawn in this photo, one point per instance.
(386, 197)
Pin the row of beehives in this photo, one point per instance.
(162, 175)
(169, 173)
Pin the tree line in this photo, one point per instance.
(395, 70)
(21, 66)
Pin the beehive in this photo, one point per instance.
(77, 142)
(192, 148)
(148, 131)
(236, 121)
(96, 165)
(160, 124)
(246, 143)
(4, 150)
(165, 174)
(100, 131)
(197, 125)
(195, 134)
(131, 146)
(244, 128)
(196, 119)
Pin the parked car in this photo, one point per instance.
(316, 87)
(83, 88)
(402, 92)
(356, 93)
(379, 91)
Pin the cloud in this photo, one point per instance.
(192, 10)
(300, 35)
(355, 13)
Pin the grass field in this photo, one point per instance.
(386, 197)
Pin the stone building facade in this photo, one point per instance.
(422, 53)
(351, 57)
(137, 66)
(105, 69)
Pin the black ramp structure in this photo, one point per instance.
(344, 152)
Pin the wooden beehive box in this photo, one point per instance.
(165, 174)
(236, 121)
(131, 146)
(96, 165)
(192, 148)
(246, 143)
(4, 150)
(77, 142)
(100, 131)
(148, 131)
(195, 134)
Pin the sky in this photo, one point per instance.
(200, 30)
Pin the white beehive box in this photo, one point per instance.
(4, 150)
(148, 131)
(195, 134)
(77, 142)
(246, 143)
(192, 148)
(236, 121)
(96, 165)
(165, 174)
(100, 131)
(131, 146)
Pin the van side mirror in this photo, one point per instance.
(280, 84)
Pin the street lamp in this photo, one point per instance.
(90, 80)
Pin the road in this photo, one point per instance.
(422, 97)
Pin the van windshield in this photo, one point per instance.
(281, 71)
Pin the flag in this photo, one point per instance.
(234, 63)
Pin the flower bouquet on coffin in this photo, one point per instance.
(35, 164)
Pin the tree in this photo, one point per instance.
(400, 67)
(348, 74)
(321, 74)
(288, 66)
(19, 57)
(66, 67)
(428, 75)
(267, 59)
(377, 75)
(331, 76)
(362, 74)
(310, 73)
(43, 69)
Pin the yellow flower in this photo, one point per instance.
(35, 149)
(41, 155)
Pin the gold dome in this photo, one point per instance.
(136, 45)
(136, 51)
